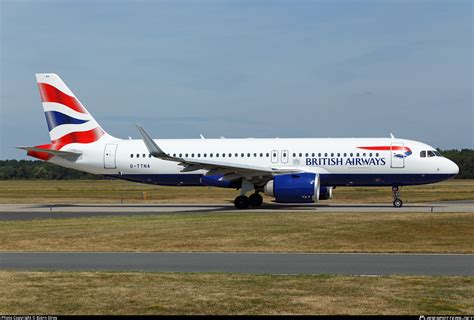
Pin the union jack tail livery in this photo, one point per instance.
(67, 119)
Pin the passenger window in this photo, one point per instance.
(248, 155)
(255, 155)
(205, 155)
(294, 155)
(217, 155)
(370, 154)
(223, 155)
(319, 154)
(267, 155)
(301, 154)
(325, 154)
(131, 156)
(431, 154)
(186, 155)
(357, 154)
(149, 156)
(313, 154)
(332, 155)
(338, 154)
(423, 154)
(180, 155)
(199, 155)
(138, 156)
(210, 155)
(376, 154)
(236, 155)
(306, 154)
(363, 154)
(192, 155)
(345, 155)
(242, 155)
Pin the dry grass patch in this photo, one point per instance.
(251, 232)
(168, 293)
(116, 191)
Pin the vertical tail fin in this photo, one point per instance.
(68, 120)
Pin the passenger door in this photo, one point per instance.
(397, 155)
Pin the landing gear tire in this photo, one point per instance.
(397, 203)
(241, 202)
(255, 200)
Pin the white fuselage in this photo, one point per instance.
(339, 161)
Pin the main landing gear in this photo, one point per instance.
(397, 202)
(243, 202)
(254, 200)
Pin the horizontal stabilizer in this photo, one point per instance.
(69, 155)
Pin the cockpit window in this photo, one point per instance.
(437, 154)
(423, 154)
(431, 153)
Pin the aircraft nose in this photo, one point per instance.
(452, 167)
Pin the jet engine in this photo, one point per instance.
(294, 188)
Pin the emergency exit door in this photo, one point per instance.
(274, 156)
(109, 156)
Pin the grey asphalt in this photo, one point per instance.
(255, 263)
(10, 212)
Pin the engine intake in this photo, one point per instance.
(294, 188)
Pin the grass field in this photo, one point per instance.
(249, 231)
(169, 293)
(216, 293)
(116, 191)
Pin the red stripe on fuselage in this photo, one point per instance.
(385, 148)
(53, 94)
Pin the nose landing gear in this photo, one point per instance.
(397, 202)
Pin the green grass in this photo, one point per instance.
(249, 231)
(214, 293)
(115, 191)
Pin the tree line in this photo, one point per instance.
(40, 170)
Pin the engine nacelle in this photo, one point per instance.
(294, 188)
(220, 181)
(325, 193)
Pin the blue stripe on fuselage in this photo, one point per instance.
(55, 118)
(334, 180)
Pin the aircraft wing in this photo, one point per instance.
(231, 171)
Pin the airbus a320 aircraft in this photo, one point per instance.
(290, 170)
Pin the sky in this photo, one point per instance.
(243, 68)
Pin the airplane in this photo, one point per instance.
(289, 170)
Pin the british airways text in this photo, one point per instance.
(346, 162)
